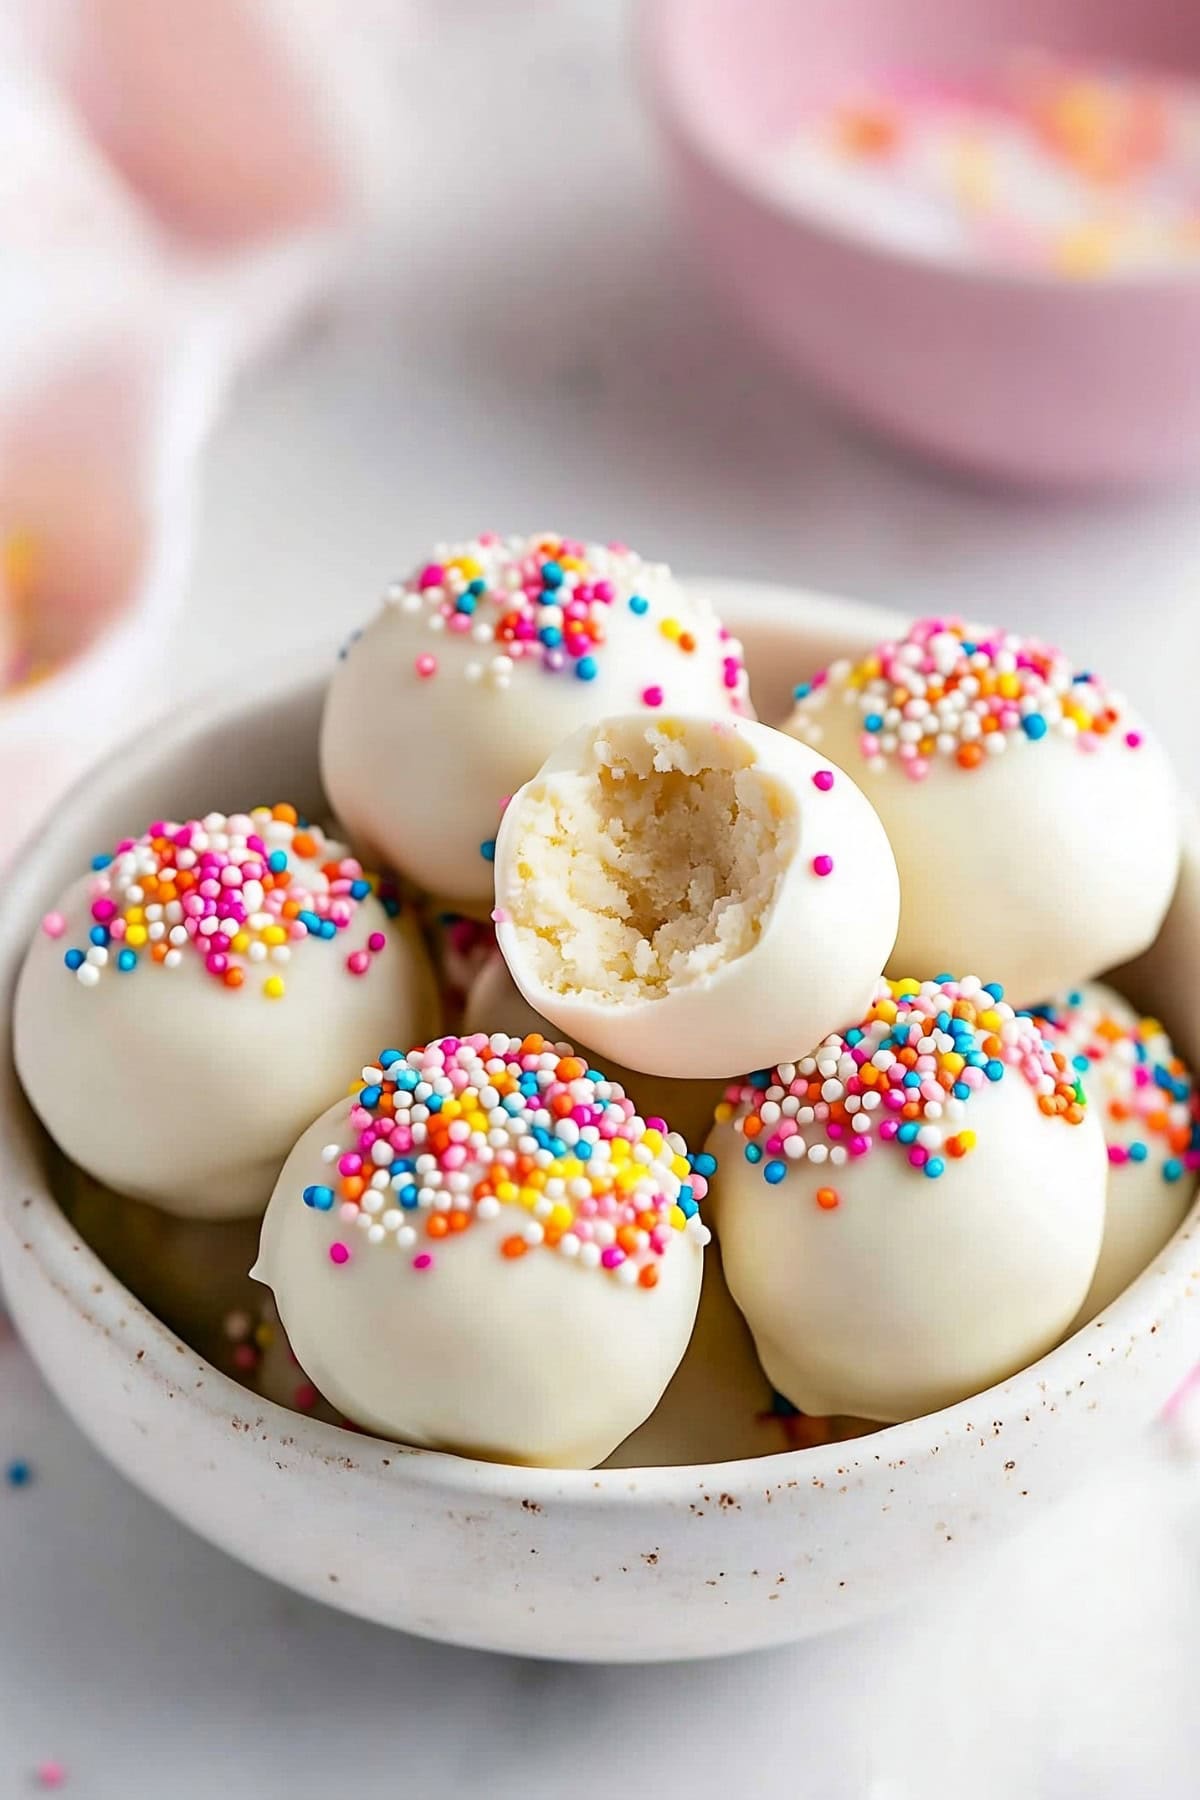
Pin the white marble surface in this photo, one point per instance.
(536, 349)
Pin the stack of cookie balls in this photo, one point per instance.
(588, 963)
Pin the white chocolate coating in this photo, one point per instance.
(420, 766)
(538, 1360)
(889, 1279)
(693, 897)
(495, 1003)
(1045, 864)
(174, 1089)
(1147, 1200)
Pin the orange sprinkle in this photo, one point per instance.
(438, 1226)
(969, 756)
(828, 1198)
(287, 815)
(648, 1277)
(513, 1247)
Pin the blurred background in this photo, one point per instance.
(897, 300)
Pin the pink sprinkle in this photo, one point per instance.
(350, 1164)
(426, 666)
(306, 1396)
(422, 1261)
(358, 962)
(822, 865)
(613, 1257)
(1133, 739)
(51, 1774)
(54, 924)
(339, 1253)
(246, 1356)
(431, 576)
(652, 696)
(823, 779)
(376, 942)
(103, 910)
(499, 916)
(1117, 1154)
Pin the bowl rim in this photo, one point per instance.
(653, 42)
(30, 1212)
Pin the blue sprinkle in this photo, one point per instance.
(74, 959)
(407, 1079)
(488, 849)
(127, 961)
(585, 669)
(328, 929)
(551, 636)
(101, 862)
(802, 690)
(99, 935)
(1172, 1169)
(1034, 726)
(477, 588)
(704, 1164)
(319, 1197)
(912, 1079)
(1085, 675)
(391, 906)
(943, 1022)
(434, 1103)
(465, 603)
(359, 890)
(583, 1150)
(1081, 1063)
(638, 604)
(552, 574)
(687, 1197)
(370, 1096)
(18, 1474)
(873, 722)
(943, 978)
(994, 1069)
(969, 649)
(594, 1075)
(277, 862)
(389, 1057)
(854, 1036)
(753, 1153)
(995, 989)
(775, 1172)
(935, 1167)
(1138, 1153)
(408, 1197)
(311, 922)
(403, 1165)
(759, 1078)
(1074, 998)
(907, 1133)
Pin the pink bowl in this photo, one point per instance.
(1031, 379)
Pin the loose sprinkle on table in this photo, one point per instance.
(1145, 1093)
(18, 1474)
(548, 600)
(946, 691)
(901, 1080)
(239, 892)
(457, 1132)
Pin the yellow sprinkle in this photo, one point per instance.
(136, 936)
(990, 1020)
(905, 987)
(1009, 687)
(468, 566)
(506, 1192)
(722, 1112)
(678, 1218)
(561, 1216)
(652, 1138)
(274, 988)
(241, 942)
(679, 1166)
(274, 934)
(952, 1062)
(619, 1150)
(671, 629)
(135, 916)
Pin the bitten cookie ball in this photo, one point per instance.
(1145, 1098)
(1034, 818)
(913, 1212)
(693, 896)
(474, 669)
(189, 1005)
(488, 1250)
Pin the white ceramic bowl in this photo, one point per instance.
(686, 1559)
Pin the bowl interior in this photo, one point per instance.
(738, 71)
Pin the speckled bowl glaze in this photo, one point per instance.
(689, 1557)
(1035, 380)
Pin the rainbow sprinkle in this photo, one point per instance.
(548, 600)
(1144, 1093)
(459, 1130)
(904, 1078)
(238, 892)
(950, 692)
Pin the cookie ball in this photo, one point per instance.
(495, 1003)
(913, 1212)
(474, 669)
(189, 1005)
(693, 896)
(1034, 818)
(488, 1250)
(1145, 1098)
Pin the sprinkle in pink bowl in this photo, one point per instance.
(1028, 378)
